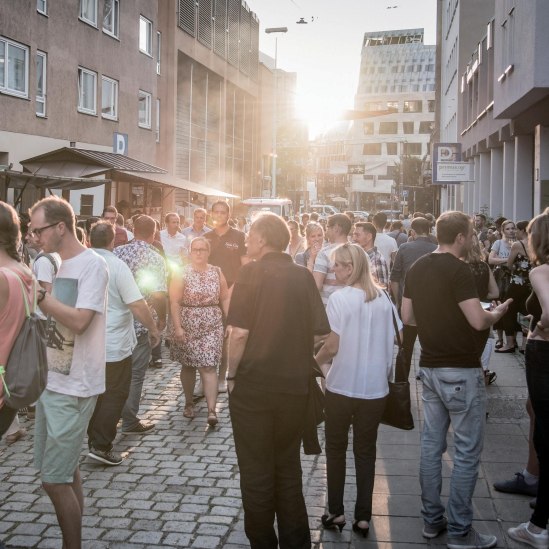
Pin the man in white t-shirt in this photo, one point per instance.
(76, 367)
(337, 232)
(124, 300)
(386, 245)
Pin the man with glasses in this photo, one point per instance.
(337, 232)
(76, 370)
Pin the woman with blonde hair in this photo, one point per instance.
(297, 242)
(198, 299)
(361, 345)
(314, 234)
(534, 532)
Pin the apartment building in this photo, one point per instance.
(495, 98)
(172, 85)
(396, 96)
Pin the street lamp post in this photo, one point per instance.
(275, 30)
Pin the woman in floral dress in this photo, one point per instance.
(198, 300)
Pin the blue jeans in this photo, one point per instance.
(141, 357)
(454, 396)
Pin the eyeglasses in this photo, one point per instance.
(199, 250)
(37, 232)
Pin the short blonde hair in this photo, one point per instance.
(361, 274)
(200, 239)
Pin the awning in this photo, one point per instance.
(71, 163)
(18, 180)
(177, 182)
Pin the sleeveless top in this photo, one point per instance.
(13, 314)
(521, 269)
(533, 307)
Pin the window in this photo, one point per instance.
(412, 106)
(388, 127)
(144, 120)
(425, 127)
(431, 105)
(42, 6)
(109, 98)
(430, 68)
(408, 127)
(41, 64)
(88, 11)
(368, 128)
(145, 35)
(392, 105)
(14, 68)
(371, 149)
(392, 148)
(86, 204)
(111, 16)
(157, 121)
(87, 90)
(412, 148)
(158, 51)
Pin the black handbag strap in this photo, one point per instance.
(395, 323)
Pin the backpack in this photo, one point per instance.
(26, 373)
(49, 257)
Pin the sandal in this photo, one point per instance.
(14, 437)
(212, 418)
(188, 412)
(499, 344)
(490, 377)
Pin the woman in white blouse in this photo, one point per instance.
(361, 345)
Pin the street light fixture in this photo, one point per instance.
(275, 30)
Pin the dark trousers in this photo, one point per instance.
(409, 336)
(364, 415)
(108, 409)
(537, 378)
(267, 430)
(156, 352)
(7, 416)
(508, 322)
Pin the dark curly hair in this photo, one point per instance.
(10, 232)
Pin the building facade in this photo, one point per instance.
(178, 80)
(395, 112)
(498, 99)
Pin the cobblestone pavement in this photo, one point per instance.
(179, 486)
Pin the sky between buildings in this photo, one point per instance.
(326, 51)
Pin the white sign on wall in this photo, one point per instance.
(454, 172)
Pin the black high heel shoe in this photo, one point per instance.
(360, 529)
(328, 521)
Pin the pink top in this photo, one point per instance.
(13, 314)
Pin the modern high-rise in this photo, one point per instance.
(395, 112)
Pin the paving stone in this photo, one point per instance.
(22, 541)
(206, 542)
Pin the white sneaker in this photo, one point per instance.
(523, 534)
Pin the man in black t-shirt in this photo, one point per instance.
(228, 245)
(228, 252)
(440, 298)
(275, 313)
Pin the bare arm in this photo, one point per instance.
(176, 294)
(4, 296)
(494, 259)
(238, 337)
(141, 312)
(76, 320)
(477, 317)
(327, 352)
(224, 295)
(407, 312)
(515, 249)
(539, 277)
(493, 290)
(319, 279)
(46, 285)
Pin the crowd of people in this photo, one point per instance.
(258, 308)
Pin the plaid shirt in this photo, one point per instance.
(148, 269)
(380, 271)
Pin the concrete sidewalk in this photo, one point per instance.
(179, 485)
